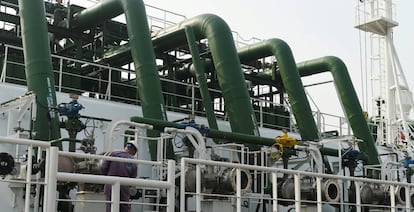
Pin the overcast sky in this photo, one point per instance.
(312, 28)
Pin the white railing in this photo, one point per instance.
(27, 180)
(297, 203)
(53, 176)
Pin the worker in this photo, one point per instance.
(121, 169)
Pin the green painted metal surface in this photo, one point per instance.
(200, 75)
(228, 136)
(39, 74)
(231, 80)
(291, 81)
(348, 98)
(147, 78)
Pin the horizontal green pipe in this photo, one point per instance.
(228, 136)
(291, 81)
(39, 71)
(348, 98)
(238, 105)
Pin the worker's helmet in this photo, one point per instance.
(132, 144)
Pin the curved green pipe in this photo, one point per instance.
(348, 98)
(230, 77)
(39, 71)
(148, 80)
(200, 75)
(291, 81)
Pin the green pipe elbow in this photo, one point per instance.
(291, 80)
(348, 98)
(231, 79)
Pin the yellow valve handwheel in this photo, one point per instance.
(278, 153)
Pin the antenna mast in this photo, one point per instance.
(389, 88)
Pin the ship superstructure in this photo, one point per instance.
(221, 125)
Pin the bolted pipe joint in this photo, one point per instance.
(374, 194)
(400, 195)
(330, 191)
(222, 182)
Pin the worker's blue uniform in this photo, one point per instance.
(121, 169)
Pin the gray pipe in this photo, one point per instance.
(231, 80)
(291, 80)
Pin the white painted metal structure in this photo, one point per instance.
(390, 93)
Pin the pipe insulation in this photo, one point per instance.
(348, 98)
(39, 71)
(291, 81)
(147, 78)
(230, 77)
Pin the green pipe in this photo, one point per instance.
(291, 81)
(148, 80)
(200, 75)
(348, 98)
(231, 80)
(39, 71)
(228, 136)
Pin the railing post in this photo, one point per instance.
(297, 192)
(115, 197)
(108, 89)
(357, 196)
(198, 188)
(318, 194)
(392, 197)
(274, 190)
(182, 185)
(51, 182)
(28, 178)
(3, 72)
(238, 189)
(60, 74)
(261, 112)
(171, 190)
(408, 198)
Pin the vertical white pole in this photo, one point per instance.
(392, 197)
(51, 183)
(182, 185)
(357, 197)
(28, 178)
(274, 191)
(319, 194)
(171, 190)
(198, 188)
(47, 171)
(297, 192)
(115, 197)
(408, 198)
(37, 197)
(238, 189)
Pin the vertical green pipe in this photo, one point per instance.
(291, 81)
(231, 79)
(148, 80)
(348, 98)
(38, 63)
(202, 82)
